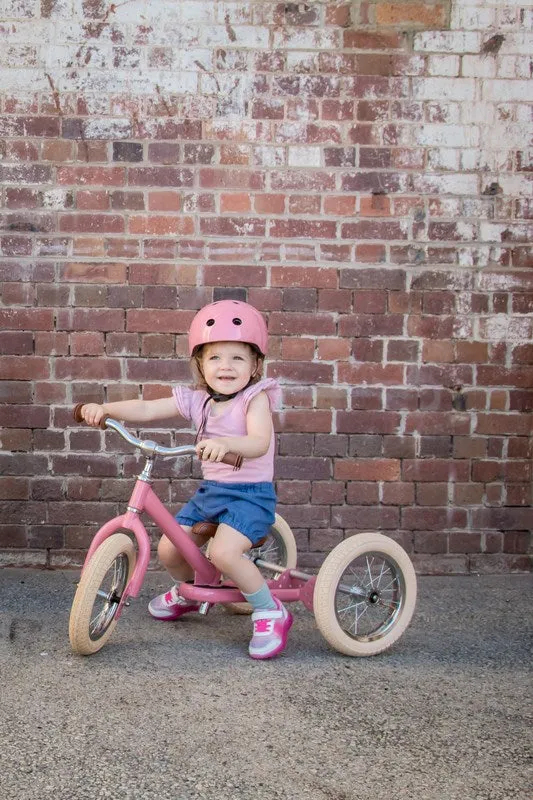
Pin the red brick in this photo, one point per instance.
(164, 201)
(435, 469)
(286, 229)
(160, 320)
(234, 275)
(161, 225)
(367, 469)
(327, 397)
(422, 15)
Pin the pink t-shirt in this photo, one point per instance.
(231, 422)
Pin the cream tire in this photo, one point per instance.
(279, 548)
(97, 600)
(365, 595)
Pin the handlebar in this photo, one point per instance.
(150, 448)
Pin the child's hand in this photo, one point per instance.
(211, 449)
(92, 414)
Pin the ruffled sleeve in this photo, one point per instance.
(183, 398)
(271, 388)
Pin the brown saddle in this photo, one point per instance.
(208, 529)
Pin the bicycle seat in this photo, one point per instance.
(209, 529)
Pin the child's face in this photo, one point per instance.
(228, 366)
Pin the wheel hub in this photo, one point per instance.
(373, 598)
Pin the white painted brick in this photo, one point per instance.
(446, 207)
(443, 65)
(507, 17)
(237, 13)
(13, 9)
(448, 135)
(191, 59)
(24, 32)
(302, 62)
(483, 113)
(517, 186)
(513, 134)
(172, 82)
(444, 113)
(20, 80)
(55, 198)
(465, 17)
(524, 113)
(454, 184)
(134, 10)
(219, 36)
(269, 156)
(108, 129)
(502, 327)
(501, 282)
(443, 158)
(304, 156)
(478, 67)
(447, 42)
(513, 67)
(473, 257)
(483, 159)
(459, 89)
(507, 90)
(499, 232)
(520, 43)
(307, 39)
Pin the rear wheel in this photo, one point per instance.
(99, 594)
(279, 548)
(365, 595)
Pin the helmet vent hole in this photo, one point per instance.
(237, 321)
(210, 322)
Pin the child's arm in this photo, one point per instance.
(130, 410)
(254, 444)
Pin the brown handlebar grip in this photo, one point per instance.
(79, 418)
(233, 459)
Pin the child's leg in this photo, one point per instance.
(226, 551)
(170, 605)
(270, 617)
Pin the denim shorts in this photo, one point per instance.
(248, 507)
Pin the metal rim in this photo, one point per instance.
(110, 592)
(369, 596)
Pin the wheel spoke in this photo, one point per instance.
(98, 622)
(368, 596)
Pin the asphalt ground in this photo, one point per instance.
(177, 711)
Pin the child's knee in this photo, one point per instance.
(167, 553)
(222, 555)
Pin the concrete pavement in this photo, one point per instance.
(177, 711)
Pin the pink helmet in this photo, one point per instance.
(228, 321)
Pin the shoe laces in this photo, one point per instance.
(263, 625)
(172, 597)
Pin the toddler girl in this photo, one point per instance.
(231, 408)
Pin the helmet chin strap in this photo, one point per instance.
(217, 397)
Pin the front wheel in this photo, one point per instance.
(279, 548)
(99, 593)
(365, 594)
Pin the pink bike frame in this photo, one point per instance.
(206, 587)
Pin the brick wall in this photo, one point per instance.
(359, 171)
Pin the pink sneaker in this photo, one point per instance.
(170, 605)
(270, 631)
